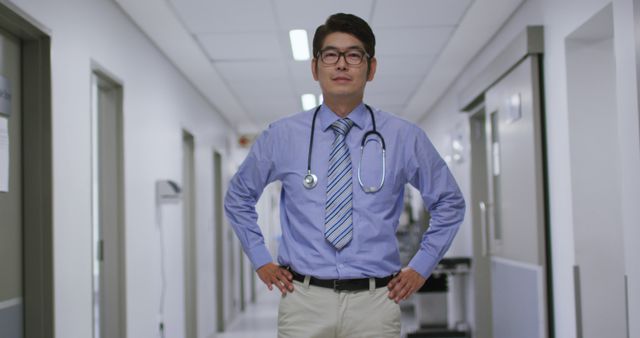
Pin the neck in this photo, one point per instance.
(342, 108)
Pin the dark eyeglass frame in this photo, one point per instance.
(365, 55)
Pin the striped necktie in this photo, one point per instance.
(338, 209)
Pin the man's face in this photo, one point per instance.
(342, 79)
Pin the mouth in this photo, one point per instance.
(341, 79)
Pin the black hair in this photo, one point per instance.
(345, 23)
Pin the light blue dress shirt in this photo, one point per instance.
(280, 154)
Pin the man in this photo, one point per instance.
(338, 263)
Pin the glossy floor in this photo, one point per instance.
(259, 319)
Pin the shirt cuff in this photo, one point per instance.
(259, 256)
(423, 263)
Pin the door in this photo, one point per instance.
(11, 220)
(26, 221)
(510, 208)
(107, 209)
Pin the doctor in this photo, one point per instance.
(338, 265)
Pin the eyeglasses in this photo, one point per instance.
(352, 57)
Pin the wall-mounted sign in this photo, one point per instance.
(5, 96)
(514, 108)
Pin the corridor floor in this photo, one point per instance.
(259, 320)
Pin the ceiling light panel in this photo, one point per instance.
(258, 90)
(266, 112)
(303, 80)
(309, 14)
(262, 70)
(241, 46)
(306, 86)
(398, 93)
(412, 41)
(299, 44)
(308, 101)
(396, 109)
(403, 65)
(419, 13)
(206, 16)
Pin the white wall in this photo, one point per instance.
(158, 103)
(560, 18)
(593, 110)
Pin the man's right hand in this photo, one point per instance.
(272, 274)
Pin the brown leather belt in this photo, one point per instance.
(357, 284)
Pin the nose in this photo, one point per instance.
(342, 61)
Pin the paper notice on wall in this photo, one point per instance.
(5, 96)
(4, 154)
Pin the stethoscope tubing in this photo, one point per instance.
(311, 180)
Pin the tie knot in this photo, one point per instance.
(342, 126)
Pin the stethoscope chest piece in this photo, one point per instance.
(310, 180)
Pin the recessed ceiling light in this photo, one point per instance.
(299, 44)
(308, 101)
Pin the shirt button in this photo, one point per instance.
(341, 266)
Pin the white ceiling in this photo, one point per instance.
(237, 52)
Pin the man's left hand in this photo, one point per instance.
(405, 284)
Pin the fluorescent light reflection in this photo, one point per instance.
(308, 101)
(299, 44)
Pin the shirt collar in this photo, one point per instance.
(328, 117)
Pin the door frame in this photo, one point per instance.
(480, 235)
(37, 181)
(218, 240)
(102, 78)
(190, 228)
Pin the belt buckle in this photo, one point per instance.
(336, 285)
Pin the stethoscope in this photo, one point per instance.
(311, 180)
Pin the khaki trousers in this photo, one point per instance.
(317, 312)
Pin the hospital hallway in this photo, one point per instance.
(260, 319)
(154, 155)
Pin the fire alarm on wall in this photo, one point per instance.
(246, 140)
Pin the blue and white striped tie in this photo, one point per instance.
(338, 209)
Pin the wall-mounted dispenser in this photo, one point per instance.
(168, 191)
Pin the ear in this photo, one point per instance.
(373, 63)
(314, 68)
